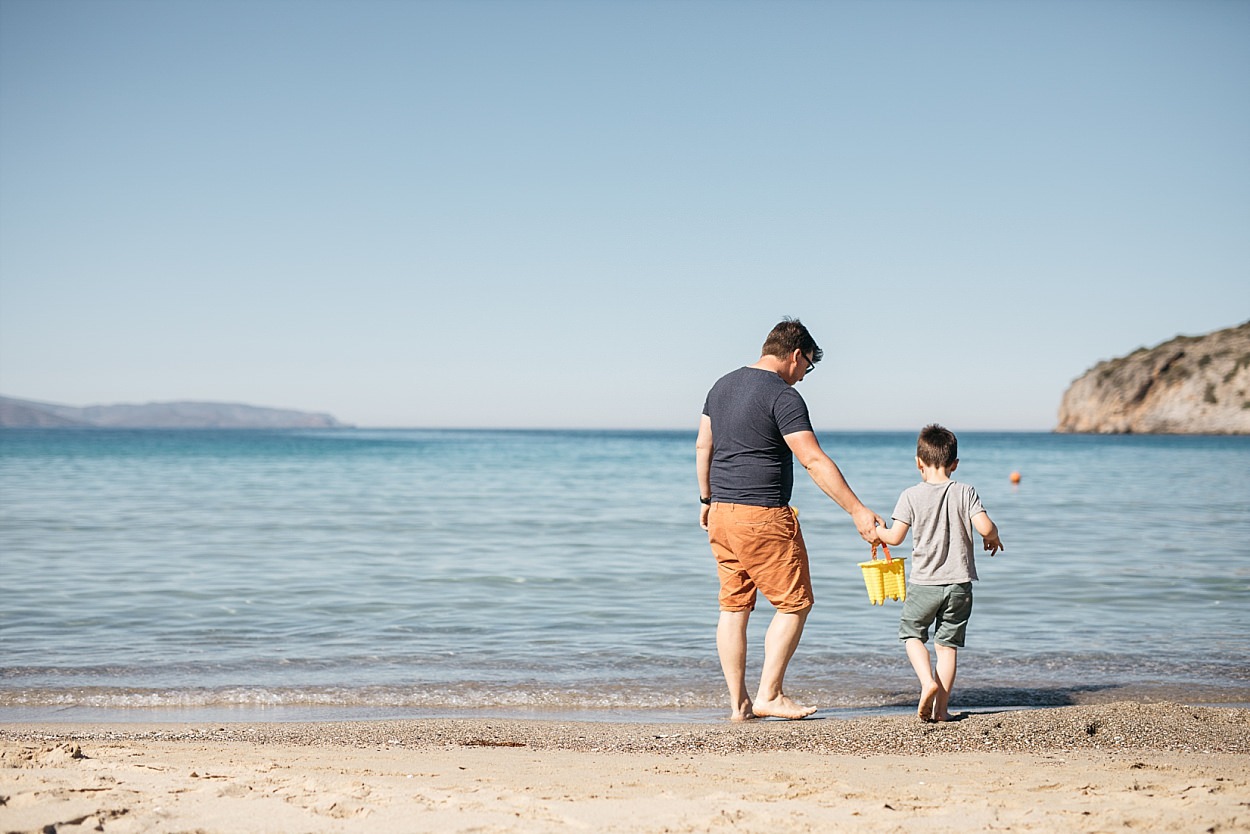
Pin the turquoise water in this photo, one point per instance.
(388, 573)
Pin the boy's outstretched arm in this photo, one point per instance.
(989, 531)
(893, 535)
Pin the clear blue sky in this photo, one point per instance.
(580, 214)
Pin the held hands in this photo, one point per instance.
(866, 522)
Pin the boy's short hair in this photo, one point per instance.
(788, 336)
(937, 446)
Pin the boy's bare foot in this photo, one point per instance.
(782, 707)
(742, 712)
(927, 696)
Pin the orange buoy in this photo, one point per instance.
(1015, 477)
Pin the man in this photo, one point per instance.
(754, 423)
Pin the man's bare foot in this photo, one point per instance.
(782, 707)
(743, 712)
(927, 696)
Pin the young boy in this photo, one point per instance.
(942, 513)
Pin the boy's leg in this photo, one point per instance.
(920, 609)
(930, 690)
(731, 645)
(947, 661)
(780, 642)
(952, 626)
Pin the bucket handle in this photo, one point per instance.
(884, 547)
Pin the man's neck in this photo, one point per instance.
(770, 363)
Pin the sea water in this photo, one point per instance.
(351, 573)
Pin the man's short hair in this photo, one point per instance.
(937, 446)
(788, 336)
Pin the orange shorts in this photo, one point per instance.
(759, 548)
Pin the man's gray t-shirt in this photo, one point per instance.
(752, 410)
(940, 518)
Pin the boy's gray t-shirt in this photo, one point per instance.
(940, 521)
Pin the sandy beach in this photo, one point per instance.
(1114, 767)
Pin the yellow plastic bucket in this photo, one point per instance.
(884, 577)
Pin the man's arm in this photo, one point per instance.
(703, 465)
(829, 478)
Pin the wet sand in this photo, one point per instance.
(1144, 767)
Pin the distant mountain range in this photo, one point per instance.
(28, 414)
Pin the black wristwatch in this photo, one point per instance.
(705, 500)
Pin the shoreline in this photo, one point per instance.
(1121, 725)
(265, 704)
(1157, 767)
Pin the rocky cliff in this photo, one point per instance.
(16, 413)
(1189, 385)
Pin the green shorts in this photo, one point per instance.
(946, 607)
